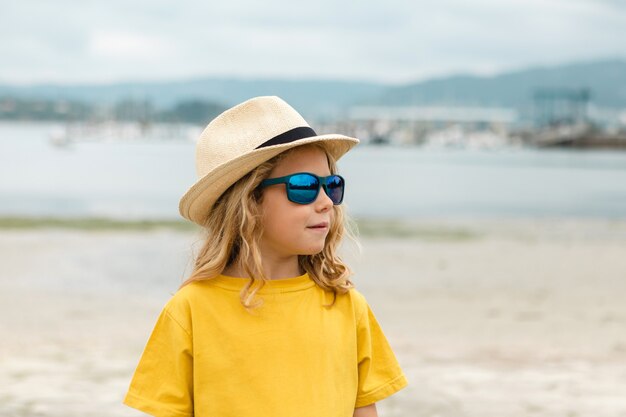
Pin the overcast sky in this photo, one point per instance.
(391, 40)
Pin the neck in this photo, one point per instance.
(273, 269)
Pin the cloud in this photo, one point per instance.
(127, 45)
(393, 41)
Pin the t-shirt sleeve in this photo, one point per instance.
(162, 385)
(380, 374)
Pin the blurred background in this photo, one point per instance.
(489, 187)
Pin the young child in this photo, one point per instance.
(268, 323)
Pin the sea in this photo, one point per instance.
(145, 178)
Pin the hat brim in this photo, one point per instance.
(197, 202)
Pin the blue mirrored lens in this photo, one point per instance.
(303, 188)
(334, 188)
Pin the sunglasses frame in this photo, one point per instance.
(322, 182)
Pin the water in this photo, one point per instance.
(146, 180)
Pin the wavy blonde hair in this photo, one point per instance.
(234, 228)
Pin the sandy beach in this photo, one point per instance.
(487, 317)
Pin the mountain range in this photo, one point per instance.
(605, 81)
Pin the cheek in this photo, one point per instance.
(286, 225)
(275, 225)
(279, 214)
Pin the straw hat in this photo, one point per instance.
(242, 138)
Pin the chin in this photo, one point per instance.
(313, 251)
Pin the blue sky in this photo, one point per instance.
(391, 41)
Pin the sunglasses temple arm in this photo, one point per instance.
(272, 181)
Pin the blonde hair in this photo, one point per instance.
(233, 230)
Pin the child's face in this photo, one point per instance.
(287, 225)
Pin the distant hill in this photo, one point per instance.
(313, 97)
(605, 79)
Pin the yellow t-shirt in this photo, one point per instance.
(208, 357)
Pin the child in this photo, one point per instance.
(269, 323)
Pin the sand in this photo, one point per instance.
(487, 318)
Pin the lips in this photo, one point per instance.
(322, 225)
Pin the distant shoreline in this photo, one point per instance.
(425, 229)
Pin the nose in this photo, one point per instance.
(323, 202)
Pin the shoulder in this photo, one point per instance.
(190, 294)
(180, 306)
(181, 298)
(357, 297)
(356, 300)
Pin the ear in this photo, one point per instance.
(257, 194)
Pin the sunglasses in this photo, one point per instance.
(303, 187)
